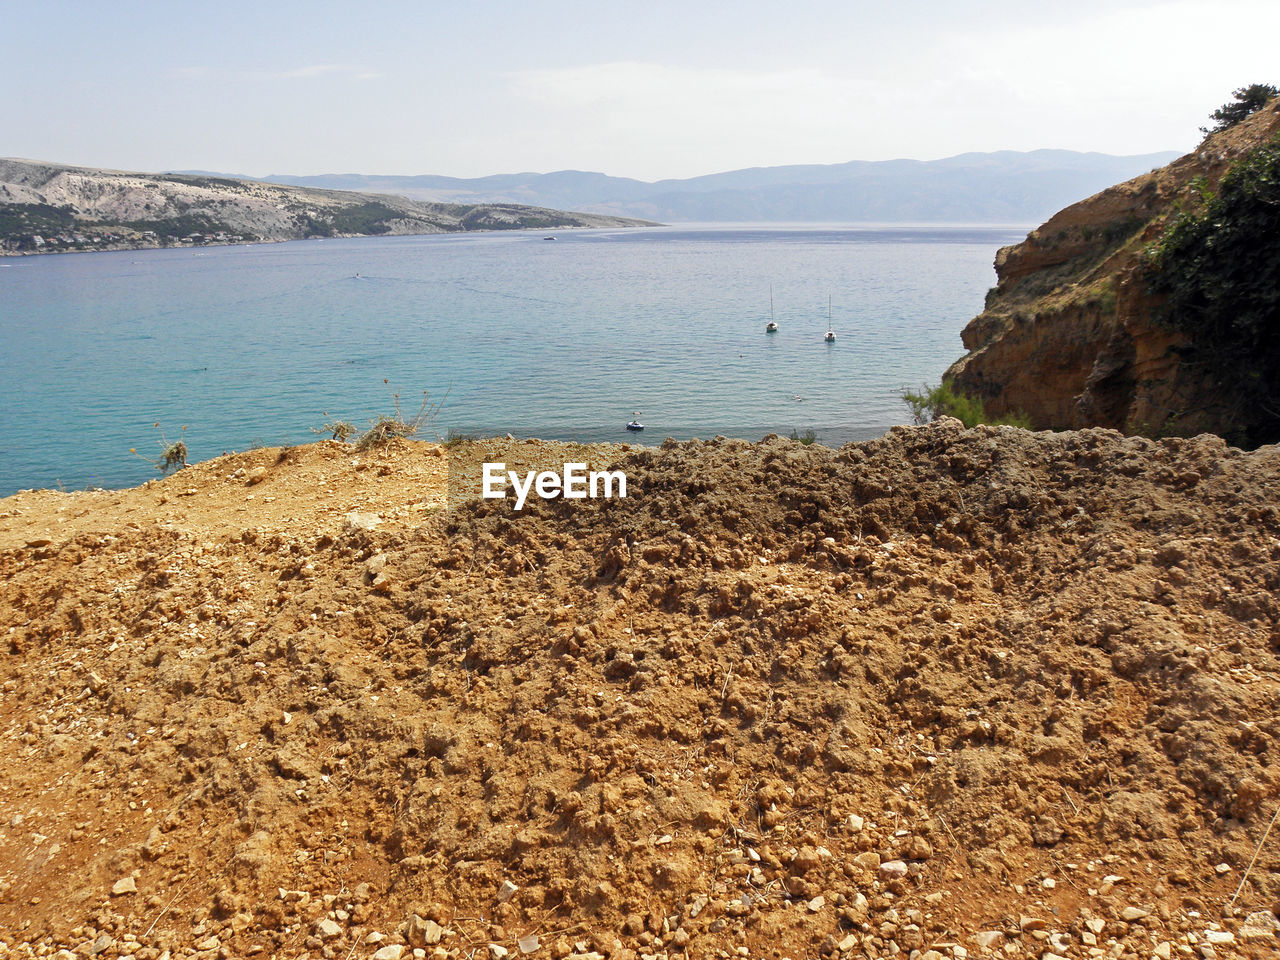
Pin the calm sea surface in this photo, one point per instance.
(252, 345)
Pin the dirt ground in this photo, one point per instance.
(946, 693)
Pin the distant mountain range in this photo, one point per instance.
(1003, 187)
(48, 207)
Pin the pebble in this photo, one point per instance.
(893, 870)
(124, 885)
(1219, 936)
(989, 939)
(817, 903)
(1131, 914)
(392, 951)
(506, 891)
(1261, 925)
(497, 951)
(1163, 951)
(328, 929)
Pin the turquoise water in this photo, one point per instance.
(251, 345)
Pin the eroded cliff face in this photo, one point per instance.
(1070, 336)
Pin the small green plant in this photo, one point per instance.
(337, 429)
(456, 439)
(807, 438)
(387, 427)
(933, 403)
(173, 456)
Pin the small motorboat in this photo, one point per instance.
(634, 425)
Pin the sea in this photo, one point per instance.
(567, 335)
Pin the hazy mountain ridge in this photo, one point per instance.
(45, 206)
(1006, 186)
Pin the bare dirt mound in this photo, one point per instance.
(951, 691)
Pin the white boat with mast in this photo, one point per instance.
(771, 326)
(831, 333)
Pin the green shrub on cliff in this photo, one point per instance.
(932, 403)
(1218, 273)
(1245, 101)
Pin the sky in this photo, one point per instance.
(649, 90)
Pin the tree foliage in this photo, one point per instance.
(1244, 101)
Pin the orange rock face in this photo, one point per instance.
(1071, 338)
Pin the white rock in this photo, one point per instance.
(893, 870)
(392, 951)
(124, 885)
(327, 929)
(1219, 936)
(1260, 926)
(817, 903)
(497, 951)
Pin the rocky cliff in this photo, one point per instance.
(49, 206)
(1072, 335)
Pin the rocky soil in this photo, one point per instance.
(944, 694)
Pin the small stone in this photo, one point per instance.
(1163, 951)
(506, 891)
(1029, 924)
(1050, 955)
(328, 929)
(856, 823)
(375, 938)
(1049, 883)
(1096, 925)
(1219, 936)
(919, 849)
(497, 951)
(256, 475)
(392, 951)
(1260, 926)
(1222, 868)
(680, 939)
(847, 944)
(355, 522)
(869, 860)
(528, 943)
(1133, 914)
(893, 870)
(124, 885)
(817, 903)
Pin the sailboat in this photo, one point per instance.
(771, 327)
(831, 334)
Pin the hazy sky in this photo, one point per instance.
(646, 89)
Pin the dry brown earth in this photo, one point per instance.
(945, 693)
